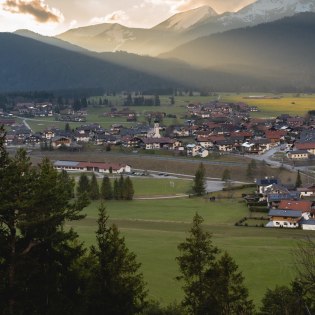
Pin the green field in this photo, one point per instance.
(286, 104)
(161, 187)
(154, 228)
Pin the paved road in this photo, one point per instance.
(267, 156)
(27, 125)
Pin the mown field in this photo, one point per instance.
(292, 104)
(154, 228)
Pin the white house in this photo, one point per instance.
(308, 224)
(284, 218)
(196, 150)
(307, 191)
(298, 155)
(92, 167)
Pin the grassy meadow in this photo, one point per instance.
(154, 228)
(286, 104)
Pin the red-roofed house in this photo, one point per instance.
(296, 205)
(308, 146)
(275, 135)
(245, 134)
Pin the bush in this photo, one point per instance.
(259, 209)
(258, 204)
(239, 187)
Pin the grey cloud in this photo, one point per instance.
(37, 8)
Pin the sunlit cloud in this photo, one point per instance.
(38, 9)
(118, 16)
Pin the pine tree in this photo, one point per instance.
(121, 187)
(35, 205)
(116, 190)
(67, 127)
(226, 292)
(94, 192)
(128, 190)
(64, 176)
(116, 284)
(199, 181)
(212, 286)
(226, 176)
(283, 300)
(106, 189)
(197, 256)
(83, 185)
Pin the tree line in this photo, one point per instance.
(46, 269)
(122, 188)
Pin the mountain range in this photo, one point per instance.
(276, 55)
(181, 28)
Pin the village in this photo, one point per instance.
(214, 127)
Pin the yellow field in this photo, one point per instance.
(287, 104)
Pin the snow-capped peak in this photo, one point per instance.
(184, 20)
(268, 10)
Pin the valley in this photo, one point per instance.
(157, 157)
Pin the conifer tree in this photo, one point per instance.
(226, 292)
(226, 176)
(83, 185)
(212, 285)
(121, 185)
(197, 256)
(283, 300)
(116, 285)
(199, 181)
(35, 204)
(106, 189)
(94, 191)
(116, 190)
(128, 190)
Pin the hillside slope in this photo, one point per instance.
(27, 64)
(283, 49)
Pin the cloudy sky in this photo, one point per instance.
(51, 17)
